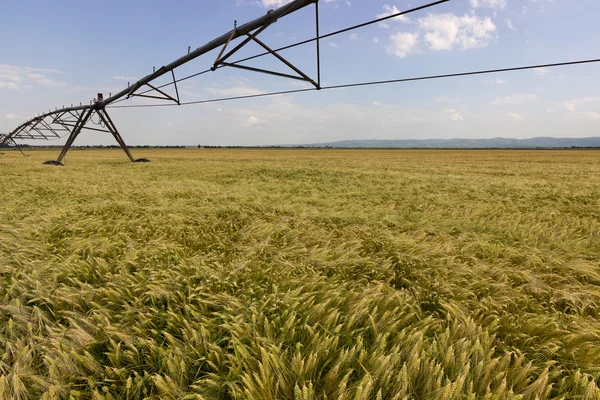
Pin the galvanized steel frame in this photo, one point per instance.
(72, 120)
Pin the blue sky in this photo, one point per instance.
(61, 53)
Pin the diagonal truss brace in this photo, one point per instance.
(253, 36)
(69, 124)
(163, 95)
(37, 128)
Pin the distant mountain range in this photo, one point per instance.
(495, 143)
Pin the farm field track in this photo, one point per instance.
(300, 274)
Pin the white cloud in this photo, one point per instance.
(391, 10)
(402, 43)
(354, 36)
(590, 115)
(13, 77)
(497, 81)
(541, 71)
(572, 105)
(510, 25)
(8, 85)
(453, 115)
(585, 100)
(440, 32)
(274, 3)
(43, 81)
(240, 89)
(44, 70)
(496, 4)
(448, 31)
(252, 120)
(125, 78)
(515, 99)
(516, 117)
(443, 99)
(11, 116)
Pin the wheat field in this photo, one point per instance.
(300, 274)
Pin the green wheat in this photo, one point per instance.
(288, 274)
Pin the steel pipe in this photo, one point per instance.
(243, 30)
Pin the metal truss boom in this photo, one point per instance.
(244, 30)
(72, 120)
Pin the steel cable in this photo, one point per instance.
(373, 83)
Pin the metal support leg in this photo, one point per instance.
(3, 142)
(17, 146)
(83, 118)
(110, 125)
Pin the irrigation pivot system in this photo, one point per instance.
(73, 120)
